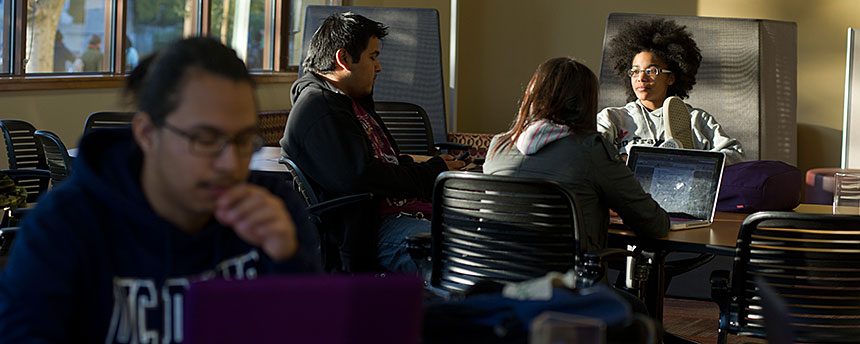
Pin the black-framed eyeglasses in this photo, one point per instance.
(651, 71)
(209, 142)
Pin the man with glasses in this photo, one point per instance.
(659, 59)
(107, 256)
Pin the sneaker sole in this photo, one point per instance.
(676, 122)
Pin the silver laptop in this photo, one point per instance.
(684, 182)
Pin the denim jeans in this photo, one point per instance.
(391, 247)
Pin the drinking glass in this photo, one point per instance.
(846, 193)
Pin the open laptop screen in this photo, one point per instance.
(682, 181)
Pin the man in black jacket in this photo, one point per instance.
(336, 138)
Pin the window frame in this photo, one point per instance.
(115, 22)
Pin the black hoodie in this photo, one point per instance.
(326, 140)
(93, 263)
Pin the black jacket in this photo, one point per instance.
(326, 140)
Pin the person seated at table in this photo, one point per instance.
(336, 138)
(553, 137)
(106, 256)
(659, 60)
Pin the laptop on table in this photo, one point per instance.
(685, 182)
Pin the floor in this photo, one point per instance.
(696, 320)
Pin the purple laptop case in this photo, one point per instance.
(323, 309)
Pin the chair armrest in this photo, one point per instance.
(7, 236)
(27, 173)
(594, 264)
(418, 245)
(317, 210)
(607, 254)
(452, 145)
(12, 217)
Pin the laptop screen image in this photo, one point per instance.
(684, 182)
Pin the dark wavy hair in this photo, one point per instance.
(156, 82)
(346, 30)
(665, 39)
(561, 90)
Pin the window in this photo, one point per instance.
(243, 25)
(5, 24)
(152, 24)
(79, 38)
(65, 37)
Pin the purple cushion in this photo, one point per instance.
(753, 186)
(305, 309)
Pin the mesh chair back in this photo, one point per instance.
(24, 151)
(411, 57)
(59, 162)
(409, 125)
(747, 79)
(811, 261)
(500, 228)
(108, 120)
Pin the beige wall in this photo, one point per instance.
(822, 30)
(501, 42)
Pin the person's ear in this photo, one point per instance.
(671, 79)
(144, 131)
(342, 59)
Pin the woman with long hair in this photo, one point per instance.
(553, 136)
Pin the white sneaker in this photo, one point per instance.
(676, 122)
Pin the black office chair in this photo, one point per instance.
(329, 252)
(22, 147)
(28, 166)
(410, 127)
(812, 261)
(108, 120)
(56, 154)
(506, 229)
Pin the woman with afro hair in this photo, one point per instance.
(660, 60)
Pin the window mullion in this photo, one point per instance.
(282, 36)
(205, 15)
(268, 26)
(119, 18)
(19, 40)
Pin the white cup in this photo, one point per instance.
(846, 193)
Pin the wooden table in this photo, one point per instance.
(719, 238)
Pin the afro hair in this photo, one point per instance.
(665, 39)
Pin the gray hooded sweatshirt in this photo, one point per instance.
(591, 168)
